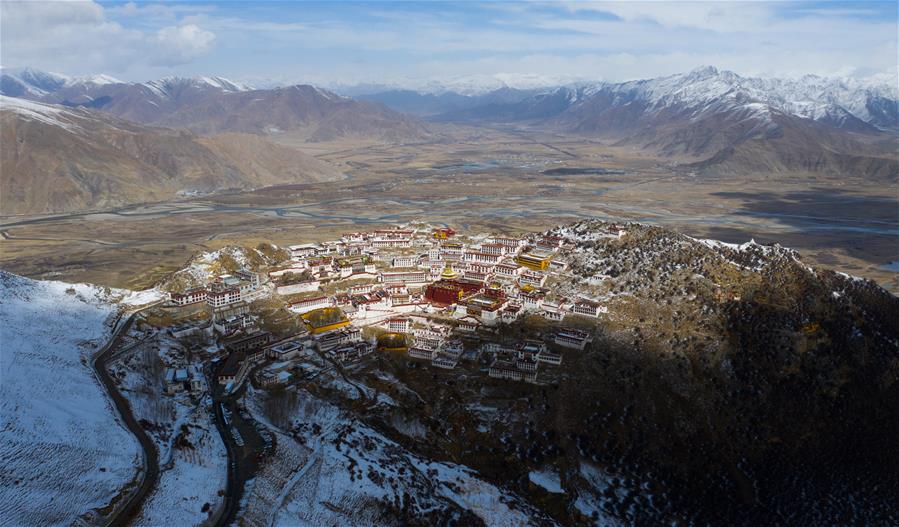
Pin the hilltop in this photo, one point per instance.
(713, 383)
(723, 382)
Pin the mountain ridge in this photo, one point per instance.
(706, 119)
(211, 105)
(58, 159)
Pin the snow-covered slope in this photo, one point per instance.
(45, 113)
(341, 472)
(97, 80)
(24, 82)
(810, 96)
(62, 451)
(169, 87)
(838, 102)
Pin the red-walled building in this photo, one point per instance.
(451, 291)
(444, 293)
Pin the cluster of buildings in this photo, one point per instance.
(276, 363)
(521, 362)
(429, 290)
(483, 280)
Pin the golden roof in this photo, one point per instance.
(448, 273)
(324, 316)
(392, 341)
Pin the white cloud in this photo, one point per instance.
(607, 40)
(50, 14)
(161, 11)
(182, 44)
(716, 16)
(77, 37)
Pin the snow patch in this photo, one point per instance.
(35, 111)
(547, 479)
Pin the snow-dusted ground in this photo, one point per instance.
(206, 266)
(62, 451)
(590, 500)
(343, 472)
(190, 476)
(141, 298)
(45, 113)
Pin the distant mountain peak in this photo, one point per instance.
(19, 82)
(225, 84)
(98, 80)
(703, 72)
(166, 85)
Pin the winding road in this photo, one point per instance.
(124, 514)
(241, 461)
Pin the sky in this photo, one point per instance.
(413, 43)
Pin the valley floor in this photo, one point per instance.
(505, 181)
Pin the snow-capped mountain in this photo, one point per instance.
(466, 85)
(211, 105)
(98, 80)
(713, 118)
(836, 101)
(809, 97)
(32, 83)
(25, 82)
(476, 85)
(169, 86)
(54, 87)
(97, 90)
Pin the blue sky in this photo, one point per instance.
(413, 42)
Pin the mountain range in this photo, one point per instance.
(872, 98)
(709, 120)
(211, 105)
(96, 141)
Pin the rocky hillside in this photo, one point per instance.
(727, 385)
(58, 159)
(747, 377)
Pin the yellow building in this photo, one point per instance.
(534, 261)
(325, 319)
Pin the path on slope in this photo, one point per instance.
(281, 500)
(243, 458)
(126, 513)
